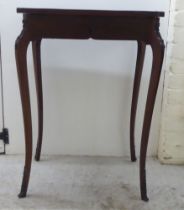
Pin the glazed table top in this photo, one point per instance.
(90, 12)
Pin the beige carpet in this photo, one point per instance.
(64, 182)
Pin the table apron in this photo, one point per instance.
(79, 27)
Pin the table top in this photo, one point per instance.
(44, 11)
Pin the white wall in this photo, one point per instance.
(171, 147)
(87, 85)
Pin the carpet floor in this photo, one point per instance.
(90, 183)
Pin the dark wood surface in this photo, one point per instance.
(84, 24)
(42, 11)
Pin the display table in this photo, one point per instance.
(41, 24)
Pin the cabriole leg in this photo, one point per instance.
(138, 73)
(21, 56)
(38, 80)
(157, 46)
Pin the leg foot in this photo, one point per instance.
(37, 155)
(133, 158)
(22, 194)
(145, 198)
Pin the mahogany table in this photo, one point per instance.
(41, 24)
